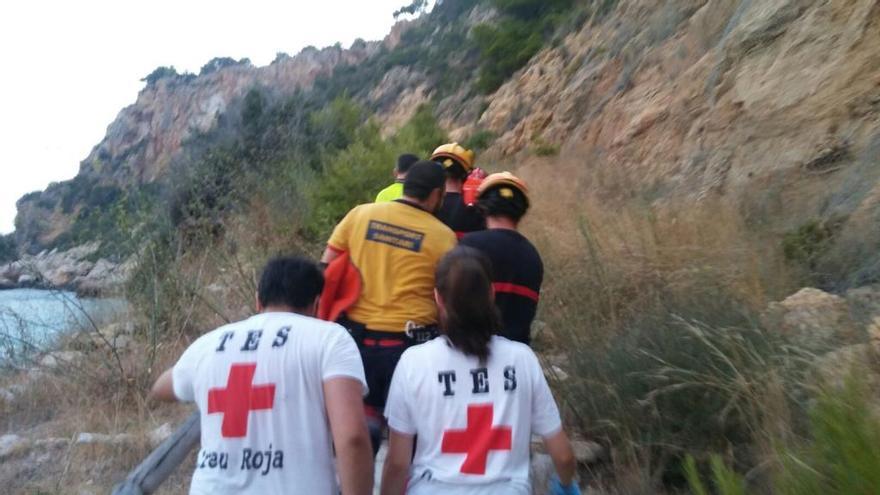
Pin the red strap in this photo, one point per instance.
(459, 235)
(520, 290)
(383, 342)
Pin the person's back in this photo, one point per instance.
(473, 421)
(258, 387)
(278, 394)
(395, 246)
(458, 216)
(395, 191)
(457, 163)
(471, 398)
(517, 274)
(517, 269)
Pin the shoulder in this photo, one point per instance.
(505, 347)
(419, 353)
(315, 328)
(441, 229)
(476, 238)
(209, 338)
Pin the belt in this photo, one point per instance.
(413, 334)
(390, 342)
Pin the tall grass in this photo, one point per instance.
(841, 454)
(654, 312)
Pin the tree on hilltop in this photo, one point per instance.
(160, 73)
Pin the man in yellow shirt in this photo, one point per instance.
(395, 191)
(395, 246)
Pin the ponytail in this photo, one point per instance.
(470, 316)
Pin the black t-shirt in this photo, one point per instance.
(517, 273)
(460, 217)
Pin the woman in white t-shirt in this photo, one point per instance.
(473, 400)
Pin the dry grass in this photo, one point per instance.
(655, 307)
(102, 391)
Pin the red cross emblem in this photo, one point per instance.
(239, 398)
(477, 439)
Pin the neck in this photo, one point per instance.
(400, 177)
(453, 186)
(500, 223)
(415, 201)
(283, 308)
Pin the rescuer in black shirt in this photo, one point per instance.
(517, 270)
(458, 162)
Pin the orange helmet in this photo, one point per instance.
(504, 180)
(450, 153)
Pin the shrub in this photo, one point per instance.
(354, 175)
(218, 63)
(842, 454)
(540, 147)
(160, 73)
(807, 243)
(8, 248)
(506, 46)
(480, 140)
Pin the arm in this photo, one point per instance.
(354, 455)
(163, 389)
(559, 449)
(397, 461)
(330, 254)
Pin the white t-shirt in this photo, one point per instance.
(258, 384)
(474, 422)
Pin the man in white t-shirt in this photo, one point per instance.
(474, 421)
(277, 392)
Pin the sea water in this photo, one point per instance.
(31, 320)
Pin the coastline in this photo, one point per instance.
(77, 270)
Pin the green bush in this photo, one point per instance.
(8, 248)
(480, 140)
(355, 174)
(725, 479)
(160, 73)
(506, 46)
(807, 243)
(540, 147)
(841, 455)
(218, 63)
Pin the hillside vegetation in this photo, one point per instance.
(693, 164)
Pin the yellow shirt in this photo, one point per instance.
(396, 247)
(390, 193)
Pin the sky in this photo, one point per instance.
(69, 67)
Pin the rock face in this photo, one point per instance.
(141, 143)
(774, 104)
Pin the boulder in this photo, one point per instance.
(834, 367)
(10, 444)
(587, 452)
(813, 319)
(85, 438)
(60, 358)
(160, 434)
(864, 303)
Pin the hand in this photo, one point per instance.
(557, 488)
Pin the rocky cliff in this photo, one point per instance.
(141, 143)
(718, 96)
